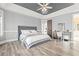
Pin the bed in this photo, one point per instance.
(29, 36)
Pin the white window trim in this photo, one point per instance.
(1, 34)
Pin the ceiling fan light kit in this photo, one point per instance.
(44, 7)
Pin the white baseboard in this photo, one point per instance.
(10, 40)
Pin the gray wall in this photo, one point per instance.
(12, 20)
(66, 18)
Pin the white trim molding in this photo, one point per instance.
(10, 31)
(71, 9)
(6, 41)
(21, 10)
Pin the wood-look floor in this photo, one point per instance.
(50, 48)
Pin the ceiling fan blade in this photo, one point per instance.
(44, 3)
(39, 9)
(47, 4)
(49, 7)
(40, 4)
(44, 12)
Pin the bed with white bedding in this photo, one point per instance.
(29, 36)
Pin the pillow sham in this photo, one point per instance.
(25, 31)
(28, 32)
(33, 31)
(25, 35)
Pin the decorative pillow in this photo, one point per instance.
(34, 31)
(25, 31)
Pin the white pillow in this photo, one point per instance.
(25, 31)
(34, 31)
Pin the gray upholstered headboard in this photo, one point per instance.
(25, 28)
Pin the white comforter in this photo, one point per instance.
(31, 40)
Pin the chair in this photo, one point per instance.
(59, 34)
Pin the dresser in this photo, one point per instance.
(66, 36)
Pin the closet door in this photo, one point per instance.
(49, 28)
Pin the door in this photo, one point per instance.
(49, 28)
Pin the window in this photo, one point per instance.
(1, 23)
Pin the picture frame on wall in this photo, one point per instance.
(61, 26)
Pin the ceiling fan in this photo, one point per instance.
(44, 7)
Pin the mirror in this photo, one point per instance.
(61, 26)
